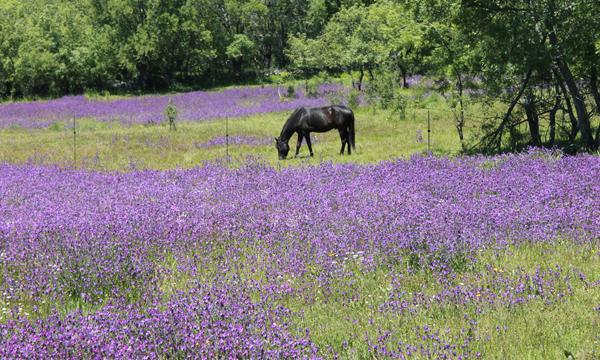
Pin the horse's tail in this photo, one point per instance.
(351, 130)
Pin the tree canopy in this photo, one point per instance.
(55, 47)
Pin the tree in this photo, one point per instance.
(306, 55)
(550, 40)
(361, 38)
(241, 50)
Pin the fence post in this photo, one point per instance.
(227, 139)
(428, 132)
(74, 144)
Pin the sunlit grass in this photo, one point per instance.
(347, 317)
(112, 146)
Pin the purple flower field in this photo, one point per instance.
(192, 106)
(201, 262)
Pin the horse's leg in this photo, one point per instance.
(307, 136)
(300, 136)
(343, 138)
(348, 142)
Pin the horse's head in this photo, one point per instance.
(283, 148)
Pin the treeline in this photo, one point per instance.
(55, 47)
(538, 58)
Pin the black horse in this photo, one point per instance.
(306, 120)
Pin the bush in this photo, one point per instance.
(312, 88)
(381, 91)
(171, 114)
(291, 92)
(399, 105)
(354, 99)
(335, 97)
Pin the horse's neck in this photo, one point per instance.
(287, 132)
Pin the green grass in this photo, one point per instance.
(380, 135)
(342, 314)
(534, 330)
(112, 146)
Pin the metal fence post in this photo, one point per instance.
(428, 132)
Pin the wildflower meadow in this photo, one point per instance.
(428, 257)
(192, 106)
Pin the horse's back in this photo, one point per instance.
(321, 119)
(316, 119)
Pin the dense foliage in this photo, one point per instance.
(540, 58)
(63, 46)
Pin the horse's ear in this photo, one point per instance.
(276, 139)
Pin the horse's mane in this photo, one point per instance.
(295, 115)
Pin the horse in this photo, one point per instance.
(306, 120)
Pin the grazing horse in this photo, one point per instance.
(306, 120)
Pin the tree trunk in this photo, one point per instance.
(403, 82)
(460, 122)
(532, 119)
(583, 120)
(281, 39)
(268, 55)
(371, 76)
(552, 118)
(569, 108)
(142, 75)
(594, 87)
(495, 138)
(596, 94)
(360, 78)
(236, 66)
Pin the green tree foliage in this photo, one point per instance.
(307, 55)
(55, 47)
(156, 42)
(45, 48)
(448, 54)
(543, 52)
(362, 38)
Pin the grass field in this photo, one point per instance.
(539, 329)
(112, 146)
